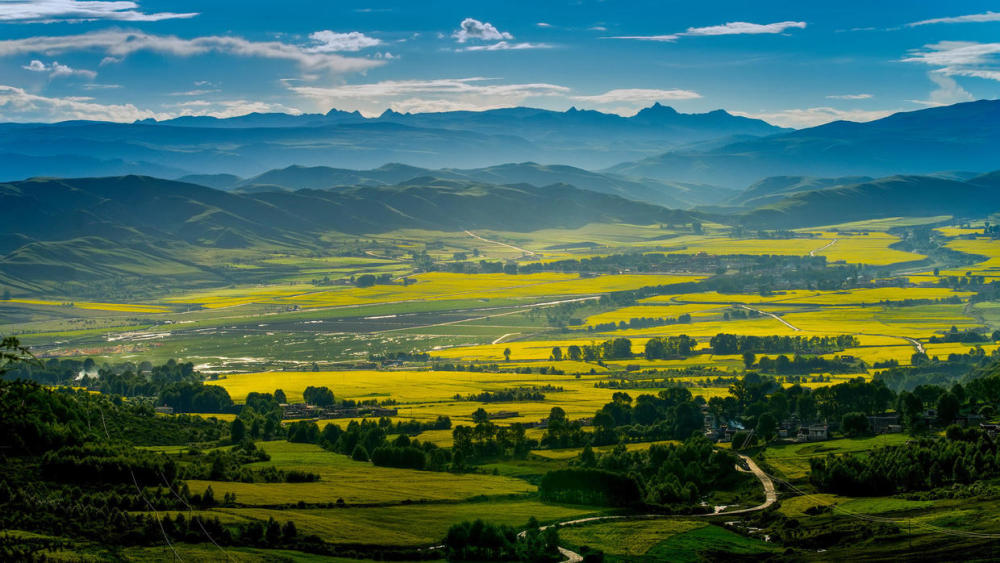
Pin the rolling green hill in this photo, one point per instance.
(894, 196)
(142, 229)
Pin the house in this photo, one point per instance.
(991, 429)
(813, 433)
(818, 432)
(885, 424)
(503, 414)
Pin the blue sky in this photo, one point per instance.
(794, 64)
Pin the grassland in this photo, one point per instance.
(792, 460)
(358, 482)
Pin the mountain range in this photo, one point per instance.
(677, 195)
(958, 137)
(251, 144)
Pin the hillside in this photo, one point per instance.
(102, 228)
(958, 137)
(668, 194)
(895, 196)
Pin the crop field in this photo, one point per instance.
(358, 482)
(792, 460)
(409, 524)
(980, 247)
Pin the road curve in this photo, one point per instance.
(770, 497)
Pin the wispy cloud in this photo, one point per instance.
(969, 18)
(506, 46)
(810, 117)
(48, 11)
(483, 31)
(117, 44)
(194, 92)
(947, 92)
(959, 58)
(447, 94)
(227, 108)
(850, 96)
(18, 105)
(639, 95)
(330, 41)
(58, 70)
(543, 24)
(731, 28)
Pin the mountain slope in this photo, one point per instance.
(895, 196)
(91, 231)
(959, 137)
(668, 194)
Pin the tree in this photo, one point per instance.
(13, 354)
(319, 396)
(947, 408)
(506, 354)
(480, 416)
(237, 430)
(6, 294)
(749, 358)
(359, 453)
(575, 353)
(767, 425)
(587, 457)
(854, 424)
(365, 280)
(279, 395)
(557, 353)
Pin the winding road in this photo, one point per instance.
(770, 497)
(824, 247)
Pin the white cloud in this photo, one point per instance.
(96, 86)
(117, 44)
(19, 105)
(638, 95)
(194, 92)
(958, 58)
(947, 92)
(474, 29)
(543, 24)
(36, 66)
(227, 108)
(597, 28)
(810, 117)
(57, 70)
(506, 46)
(47, 11)
(954, 53)
(850, 96)
(970, 18)
(731, 28)
(745, 28)
(445, 94)
(330, 42)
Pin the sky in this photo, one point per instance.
(795, 64)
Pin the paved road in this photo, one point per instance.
(770, 497)
(475, 236)
(775, 317)
(824, 247)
